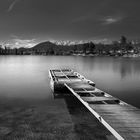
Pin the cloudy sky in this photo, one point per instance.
(30, 21)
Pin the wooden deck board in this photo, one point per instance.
(120, 118)
(98, 98)
(124, 119)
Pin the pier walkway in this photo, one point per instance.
(120, 118)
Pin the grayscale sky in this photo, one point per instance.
(30, 21)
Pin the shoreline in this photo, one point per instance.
(84, 55)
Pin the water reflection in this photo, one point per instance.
(27, 76)
(125, 67)
(118, 76)
(85, 125)
(27, 103)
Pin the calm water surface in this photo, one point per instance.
(27, 76)
(25, 79)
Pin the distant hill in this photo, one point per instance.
(44, 46)
(51, 48)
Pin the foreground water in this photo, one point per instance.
(29, 110)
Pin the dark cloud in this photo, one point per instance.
(12, 5)
(69, 19)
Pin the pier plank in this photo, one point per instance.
(124, 119)
(120, 118)
(98, 98)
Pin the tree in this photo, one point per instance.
(129, 46)
(0, 49)
(5, 49)
(91, 47)
(123, 40)
(116, 46)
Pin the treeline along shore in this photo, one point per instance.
(116, 48)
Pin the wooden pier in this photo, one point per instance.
(120, 118)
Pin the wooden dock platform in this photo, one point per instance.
(120, 118)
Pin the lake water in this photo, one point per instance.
(24, 83)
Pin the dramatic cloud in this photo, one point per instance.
(73, 20)
(111, 20)
(17, 43)
(12, 5)
(68, 42)
(104, 41)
